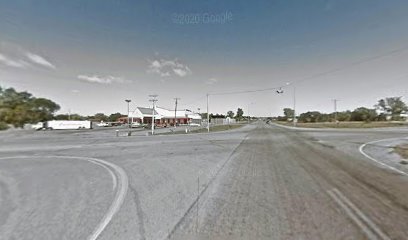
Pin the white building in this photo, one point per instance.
(164, 117)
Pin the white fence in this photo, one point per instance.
(222, 121)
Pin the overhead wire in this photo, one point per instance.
(314, 76)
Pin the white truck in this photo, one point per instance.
(64, 124)
(38, 126)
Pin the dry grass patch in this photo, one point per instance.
(402, 150)
(347, 124)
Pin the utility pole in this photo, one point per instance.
(69, 114)
(175, 112)
(335, 109)
(248, 113)
(128, 118)
(208, 113)
(294, 106)
(153, 99)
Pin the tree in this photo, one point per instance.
(344, 116)
(217, 115)
(100, 117)
(393, 106)
(114, 117)
(230, 114)
(288, 112)
(44, 109)
(397, 106)
(314, 116)
(204, 116)
(364, 114)
(382, 106)
(239, 114)
(70, 117)
(18, 108)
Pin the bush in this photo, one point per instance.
(3, 126)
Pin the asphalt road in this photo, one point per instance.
(258, 182)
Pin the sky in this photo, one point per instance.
(89, 56)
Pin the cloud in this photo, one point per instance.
(39, 60)
(15, 56)
(102, 79)
(167, 68)
(7, 61)
(211, 81)
(181, 72)
(165, 74)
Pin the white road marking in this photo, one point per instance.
(120, 179)
(371, 230)
(114, 181)
(361, 149)
(353, 217)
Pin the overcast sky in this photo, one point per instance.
(89, 56)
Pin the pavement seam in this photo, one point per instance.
(195, 202)
(371, 230)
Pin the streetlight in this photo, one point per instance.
(294, 101)
(208, 112)
(128, 118)
(153, 100)
(294, 106)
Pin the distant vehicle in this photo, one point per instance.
(115, 123)
(160, 125)
(194, 124)
(136, 125)
(63, 124)
(103, 124)
(37, 126)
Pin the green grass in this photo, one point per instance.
(217, 128)
(347, 124)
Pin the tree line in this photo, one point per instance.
(19, 108)
(239, 115)
(390, 108)
(98, 117)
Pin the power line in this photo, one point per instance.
(321, 74)
(361, 61)
(249, 91)
(190, 103)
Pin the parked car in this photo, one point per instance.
(136, 125)
(103, 124)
